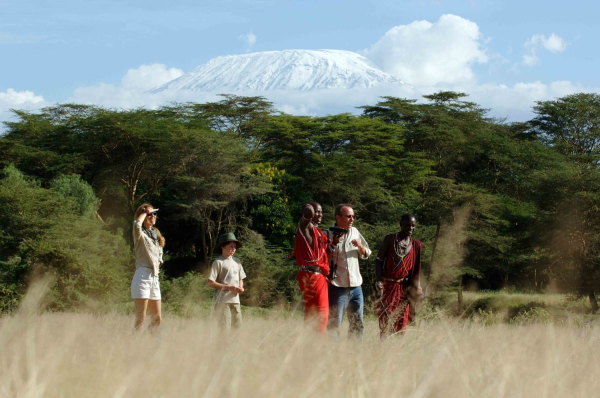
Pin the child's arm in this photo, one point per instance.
(240, 287)
(212, 278)
(220, 286)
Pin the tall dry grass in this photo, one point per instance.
(85, 355)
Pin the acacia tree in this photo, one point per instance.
(345, 158)
(571, 125)
(477, 162)
(210, 194)
(126, 155)
(243, 116)
(41, 143)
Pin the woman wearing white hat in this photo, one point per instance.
(148, 244)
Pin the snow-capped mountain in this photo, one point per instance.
(283, 70)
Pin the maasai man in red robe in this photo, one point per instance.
(310, 250)
(398, 271)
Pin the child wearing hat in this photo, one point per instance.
(227, 278)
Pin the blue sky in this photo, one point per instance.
(65, 50)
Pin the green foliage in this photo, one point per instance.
(271, 275)
(516, 204)
(44, 233)
(243, 116)
(187, 296)
(532, 316)
(73, 187)
(571, 192)
(271, 212)
(571, 124)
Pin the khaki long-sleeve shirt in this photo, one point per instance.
(148, 253)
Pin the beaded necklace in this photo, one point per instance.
(402, 249)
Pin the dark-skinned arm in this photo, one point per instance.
(307, 215)
(308, 212)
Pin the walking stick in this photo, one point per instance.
(384, 308)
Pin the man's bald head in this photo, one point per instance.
(344, 215)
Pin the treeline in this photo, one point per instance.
(514, 204)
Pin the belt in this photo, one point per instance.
(312, 268)
(395, 280)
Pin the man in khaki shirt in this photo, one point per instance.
(227, 278)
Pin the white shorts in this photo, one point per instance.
(145, 285)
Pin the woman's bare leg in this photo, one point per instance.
(155, 315)
(140, 312)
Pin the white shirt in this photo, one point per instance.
(346, 256)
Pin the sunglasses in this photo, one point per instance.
(153, 214)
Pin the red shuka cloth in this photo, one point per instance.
(313, 285)
(316, 299)
(311, 255)
(394, 308)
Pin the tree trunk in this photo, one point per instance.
(435, 241)
(200, 252)
(593, 301)
(460, 294)
(201, 248)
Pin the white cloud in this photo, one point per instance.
(531, 59)
(553, 43)
(147, 77)
(249, 39)
(132, 90)
(425, 53)
(112, 96)
(515, 102)
(12, 99)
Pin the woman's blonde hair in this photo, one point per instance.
(142, 209)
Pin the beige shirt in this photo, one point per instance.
(148, 253)
(228, 271)
(346, 256)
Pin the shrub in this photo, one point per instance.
(534, 315)
(45, 233)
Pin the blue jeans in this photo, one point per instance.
(340, 300)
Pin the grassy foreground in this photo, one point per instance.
(85, 355)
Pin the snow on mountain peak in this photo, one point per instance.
(282, 70)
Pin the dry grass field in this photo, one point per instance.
(85, 355)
